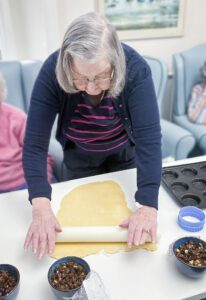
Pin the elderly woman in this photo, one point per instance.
(12, 128)
(197, 102)
(108, 120)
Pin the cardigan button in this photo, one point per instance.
(126, 119)
(120, 105)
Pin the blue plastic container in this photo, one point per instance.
(66, 294)
(185, 268)
(14, 271)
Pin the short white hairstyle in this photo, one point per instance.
(3, 88)
(91, 37)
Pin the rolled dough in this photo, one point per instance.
(94, 204)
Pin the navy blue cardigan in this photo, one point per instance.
(136, 105)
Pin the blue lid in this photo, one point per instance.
(191, 211)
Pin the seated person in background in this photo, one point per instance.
(197, 103)
(12, 129)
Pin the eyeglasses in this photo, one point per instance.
(84, 81)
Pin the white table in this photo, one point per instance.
(127, 276)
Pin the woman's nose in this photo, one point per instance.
(91, 86)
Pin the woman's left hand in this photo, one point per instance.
(142, 226)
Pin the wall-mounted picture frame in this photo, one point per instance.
(142, 19)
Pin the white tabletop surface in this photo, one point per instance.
(127, 276)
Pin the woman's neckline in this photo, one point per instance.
(96, 100)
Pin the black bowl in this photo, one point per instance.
(186, 268)
(70, 293)
(12, 295)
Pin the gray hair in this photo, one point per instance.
(3, 88)
(91, 37)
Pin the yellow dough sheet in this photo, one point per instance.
(94, 204)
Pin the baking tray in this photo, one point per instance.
(186, 183)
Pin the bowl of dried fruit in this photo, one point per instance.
(190, 256)
(9, 282)
(66, 276)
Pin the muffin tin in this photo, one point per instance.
(186, 183)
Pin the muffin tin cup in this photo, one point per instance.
(186, 183)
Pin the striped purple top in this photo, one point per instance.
(97, 128)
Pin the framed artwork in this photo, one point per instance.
(141, 19)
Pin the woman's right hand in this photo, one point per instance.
(43, 229)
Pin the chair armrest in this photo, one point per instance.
(176, 141)
(198, 130)
(56, 151)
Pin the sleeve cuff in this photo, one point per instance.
(148, 197)
(40, 190)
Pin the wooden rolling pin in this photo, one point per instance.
(86, 234)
